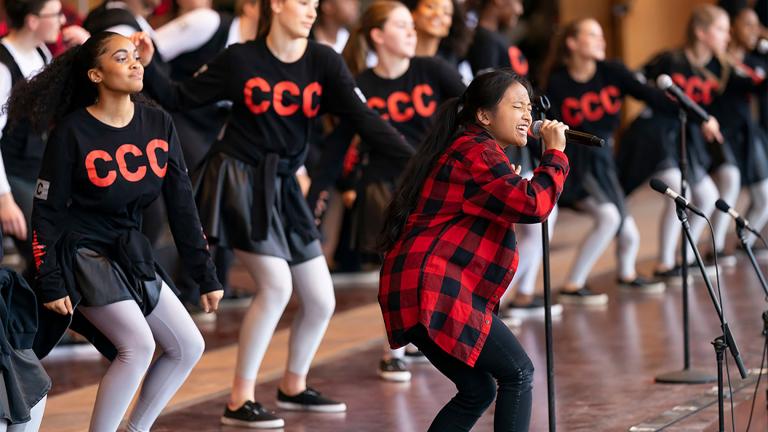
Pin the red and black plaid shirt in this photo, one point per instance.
(457, 252)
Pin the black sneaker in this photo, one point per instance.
(583, 296)
(641, 284)
(251, 415)
(723, 258)
(674, 276)
(413, 355)
(394, 369)
(533, 309)
(709, 268)
(309, 400)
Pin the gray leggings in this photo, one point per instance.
(33, 425)
(134, 337)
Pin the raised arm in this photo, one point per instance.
(204, 88)
(343, 99)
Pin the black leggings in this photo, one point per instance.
(502, 362)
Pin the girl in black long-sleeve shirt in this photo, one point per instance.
(746, 142)
(248, 195)
(651, 145)
(586, 93)
(106, 160)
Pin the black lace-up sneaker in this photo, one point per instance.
(583, 296)
(394, 369)
(252, 415)
(309, 400)
(641, 284)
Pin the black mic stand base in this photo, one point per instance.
(688, 375)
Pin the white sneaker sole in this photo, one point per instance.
(654, 288)
(556, 310)
(271, 424)
(596, 300)
(402, 376)
(413, 359)
(291, 406)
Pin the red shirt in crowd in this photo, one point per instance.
(457, 253)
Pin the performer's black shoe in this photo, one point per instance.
(673, 276)
(413, 355)
(394, 369)
(583, 296)
(533, 309)
(252, 415)
(723, 258)
(641, 284)
(309, 400)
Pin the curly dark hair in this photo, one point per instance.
(454, 115)
(62, 87)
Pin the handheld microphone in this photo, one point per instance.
(740, 221)
(665, 83)
(661, 187)
(571, 136)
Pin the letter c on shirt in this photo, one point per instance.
(93, 175)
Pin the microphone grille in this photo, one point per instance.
(722, 205)
(536, 128)
(658, 185)
(664, 81)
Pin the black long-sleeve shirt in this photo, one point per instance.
(408, 102)
(490, 50)
(275, 107)
(594, 106)
(275, 104)
(96, 180)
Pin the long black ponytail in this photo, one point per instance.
(454, 115)
(62, 87)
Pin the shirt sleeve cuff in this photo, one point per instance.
(555, 156)
(209, 284)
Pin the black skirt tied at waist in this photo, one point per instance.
(296, 211)
(128, 248)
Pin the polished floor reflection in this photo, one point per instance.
(606, 359)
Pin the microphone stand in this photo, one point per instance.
(741, 232)
(724, 341)
(687, 375)
(544, 106)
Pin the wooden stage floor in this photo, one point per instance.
(606, 360)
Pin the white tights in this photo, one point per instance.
(607, 219)
(134, 337)
(704, 197)
(275, 280)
